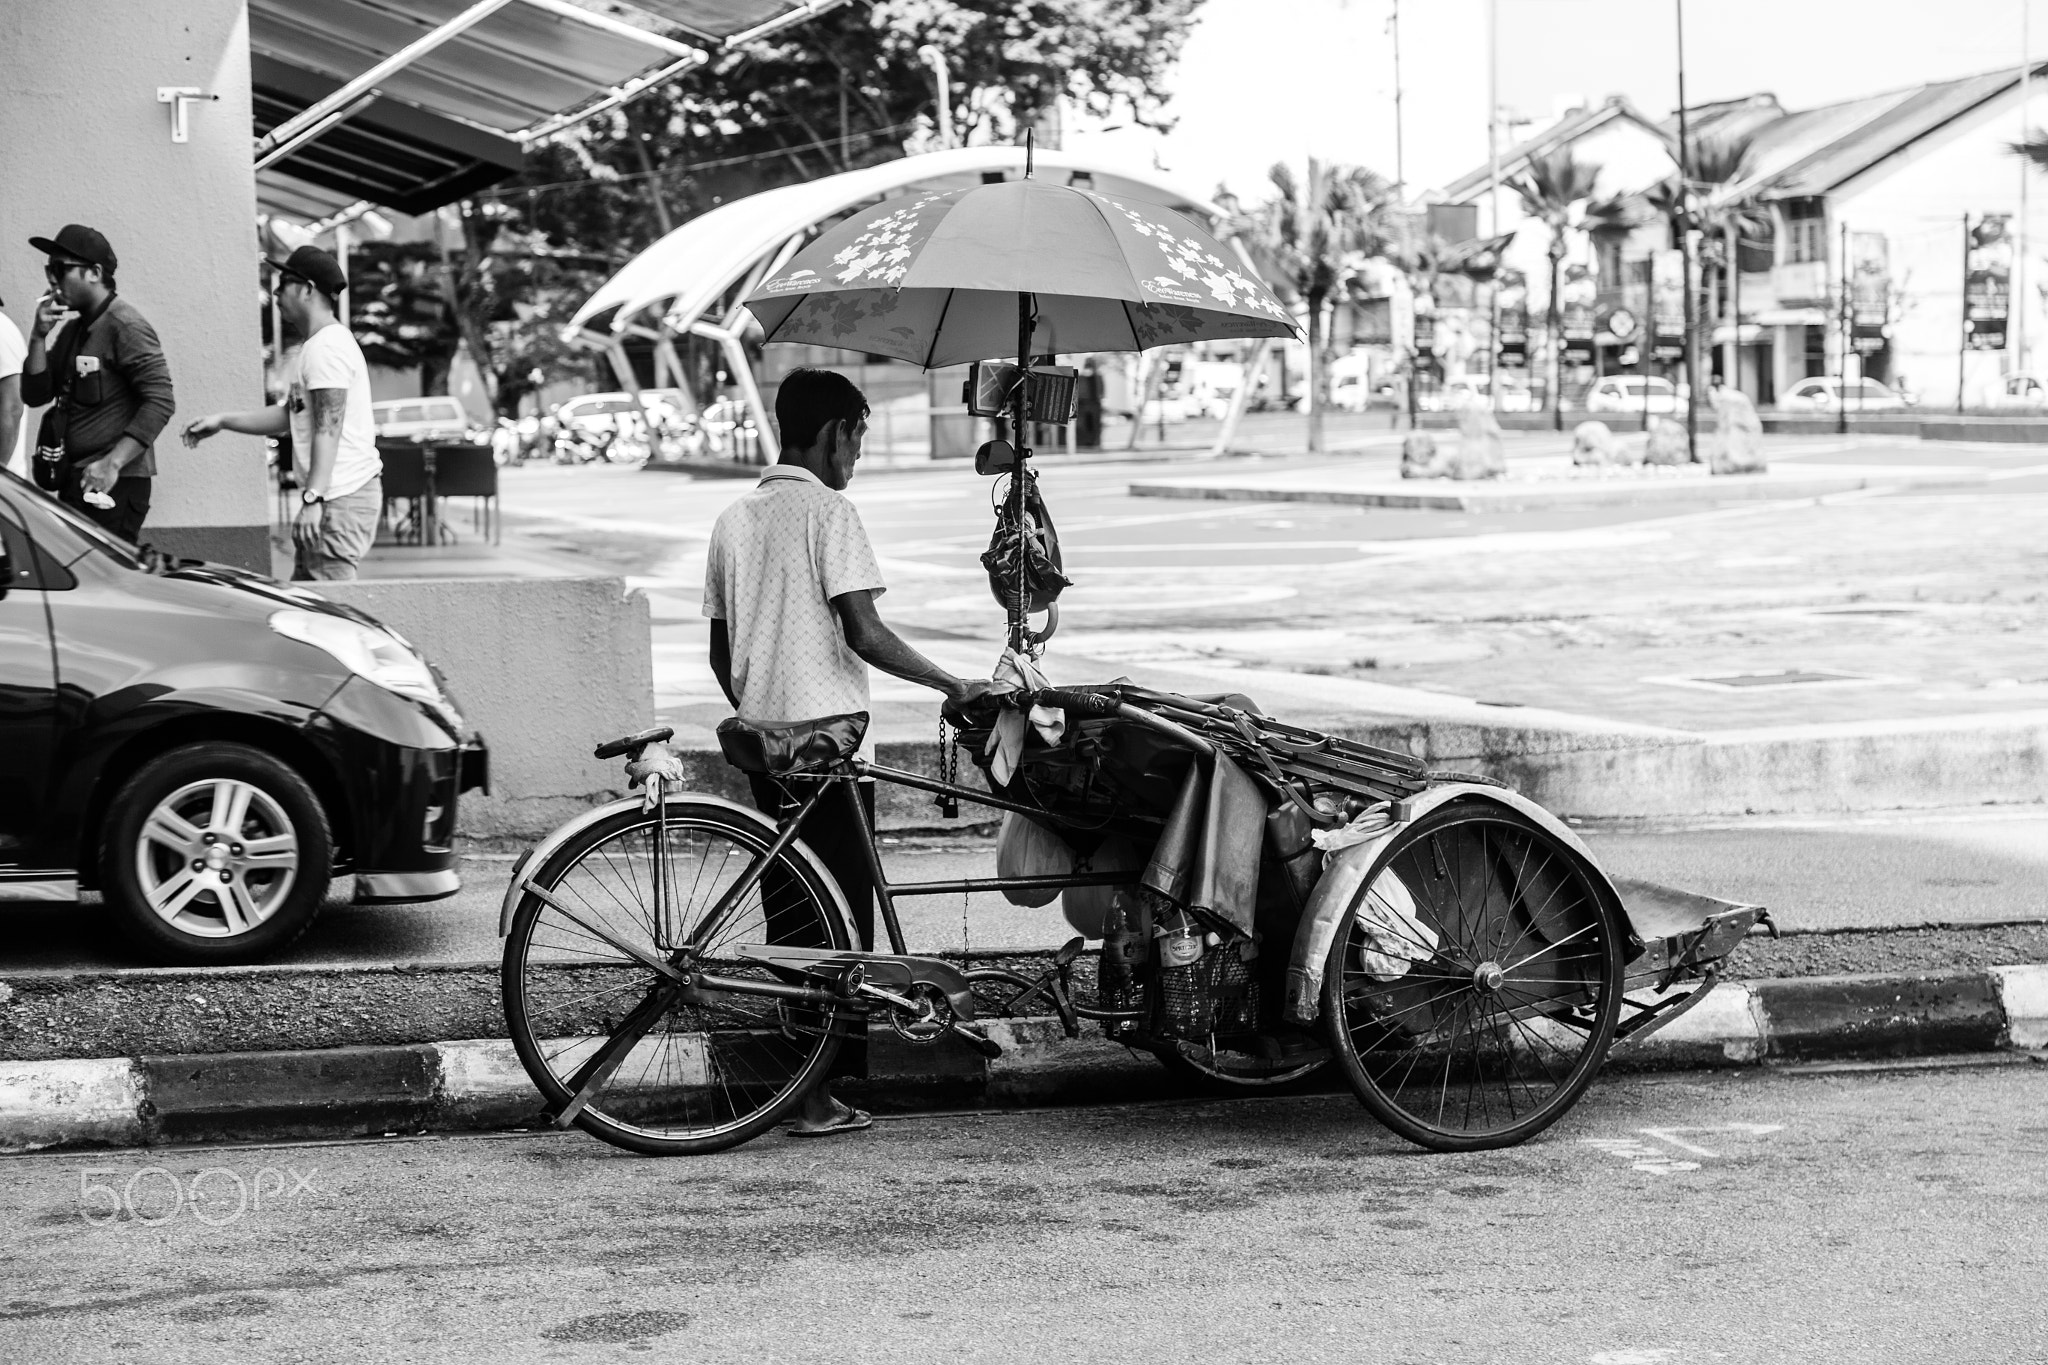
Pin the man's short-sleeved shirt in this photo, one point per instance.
(778, 557)
(13, 353)
(330, 359)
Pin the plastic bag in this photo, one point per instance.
(1367, 824)
(1086, 907)
(1028, 849)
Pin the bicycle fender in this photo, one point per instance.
(1334, 892)
(537, 857)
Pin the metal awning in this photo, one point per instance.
(414, 103)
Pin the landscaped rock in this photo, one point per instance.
(1419, 457)
(1739, 444)
(1667, 444)
(1480, 452)
(1593, 444)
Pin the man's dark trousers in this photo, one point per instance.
(131, 501)
(836, 836)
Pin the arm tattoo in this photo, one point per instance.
(328, 407)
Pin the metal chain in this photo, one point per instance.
(949, 771)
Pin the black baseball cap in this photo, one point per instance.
(79, 243)
(316, 267)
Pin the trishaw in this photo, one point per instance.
(1268, 900)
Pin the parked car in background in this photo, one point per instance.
(1515, 396)
(1829, 392)
(420, 419)
(207, 747)
(1635, 393)
(2022, 391)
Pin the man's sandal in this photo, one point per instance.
(853, 1122)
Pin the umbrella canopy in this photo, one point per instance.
(937, 279)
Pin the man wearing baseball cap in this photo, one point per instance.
(107, 381)
(327, 411)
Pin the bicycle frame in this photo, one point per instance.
(886, 891)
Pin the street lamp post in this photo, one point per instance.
(1690, 362)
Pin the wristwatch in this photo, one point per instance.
(309, 498)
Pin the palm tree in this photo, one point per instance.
(1305, 239)
(1551, 186)
(1718, 162)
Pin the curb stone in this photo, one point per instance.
(477, 1083)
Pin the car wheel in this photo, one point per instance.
(215, 853)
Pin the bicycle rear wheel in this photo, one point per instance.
(1473, 986)
(701, 1075)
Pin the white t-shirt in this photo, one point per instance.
(13, 352)
(330, 359)
(778, 557)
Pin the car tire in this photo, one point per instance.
(215, 853)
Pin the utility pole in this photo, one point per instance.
(1690, 361)
(1493, 197)
(1400, 143)
(1842, 366)
(2018, 309)
(1963, 335)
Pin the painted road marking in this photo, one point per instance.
(1654, 1160)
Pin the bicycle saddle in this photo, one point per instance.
(803, 746)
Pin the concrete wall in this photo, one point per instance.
(83, 140)
(546, 668)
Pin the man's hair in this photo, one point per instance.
(809, 400)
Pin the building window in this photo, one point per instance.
(1806, 230)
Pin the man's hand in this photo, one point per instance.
(200, 429)
(99, 476)
(49, 312)
(307, 525)
(966, 690)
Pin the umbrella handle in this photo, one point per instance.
(1034, 640)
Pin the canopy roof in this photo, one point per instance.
(456, 115)
(687, 272)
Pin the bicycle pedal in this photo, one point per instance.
(987, 1047)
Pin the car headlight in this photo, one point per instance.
(376, 656)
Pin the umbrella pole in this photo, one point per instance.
(1020, 601)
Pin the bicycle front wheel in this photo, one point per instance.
(690, 1076)
(1474, 983)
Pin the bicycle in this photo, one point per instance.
(678, 970)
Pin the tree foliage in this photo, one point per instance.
(1308, 238)
(843, 91)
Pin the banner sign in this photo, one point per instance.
(1987, 283)
(1514, 318)
(1667, 304)
(1870, 283)
(1576, 296)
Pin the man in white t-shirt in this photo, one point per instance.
(790, 583)
(327, 411)
(13, 351)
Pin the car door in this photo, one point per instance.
(28, 716)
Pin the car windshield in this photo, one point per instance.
(76, 532)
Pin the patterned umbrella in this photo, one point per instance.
(945, 278)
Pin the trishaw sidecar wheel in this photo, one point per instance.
(706, 1075)
(1473, 985)
(1224, 1072)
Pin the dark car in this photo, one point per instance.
(207, 747)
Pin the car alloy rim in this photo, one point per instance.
(217, 858)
